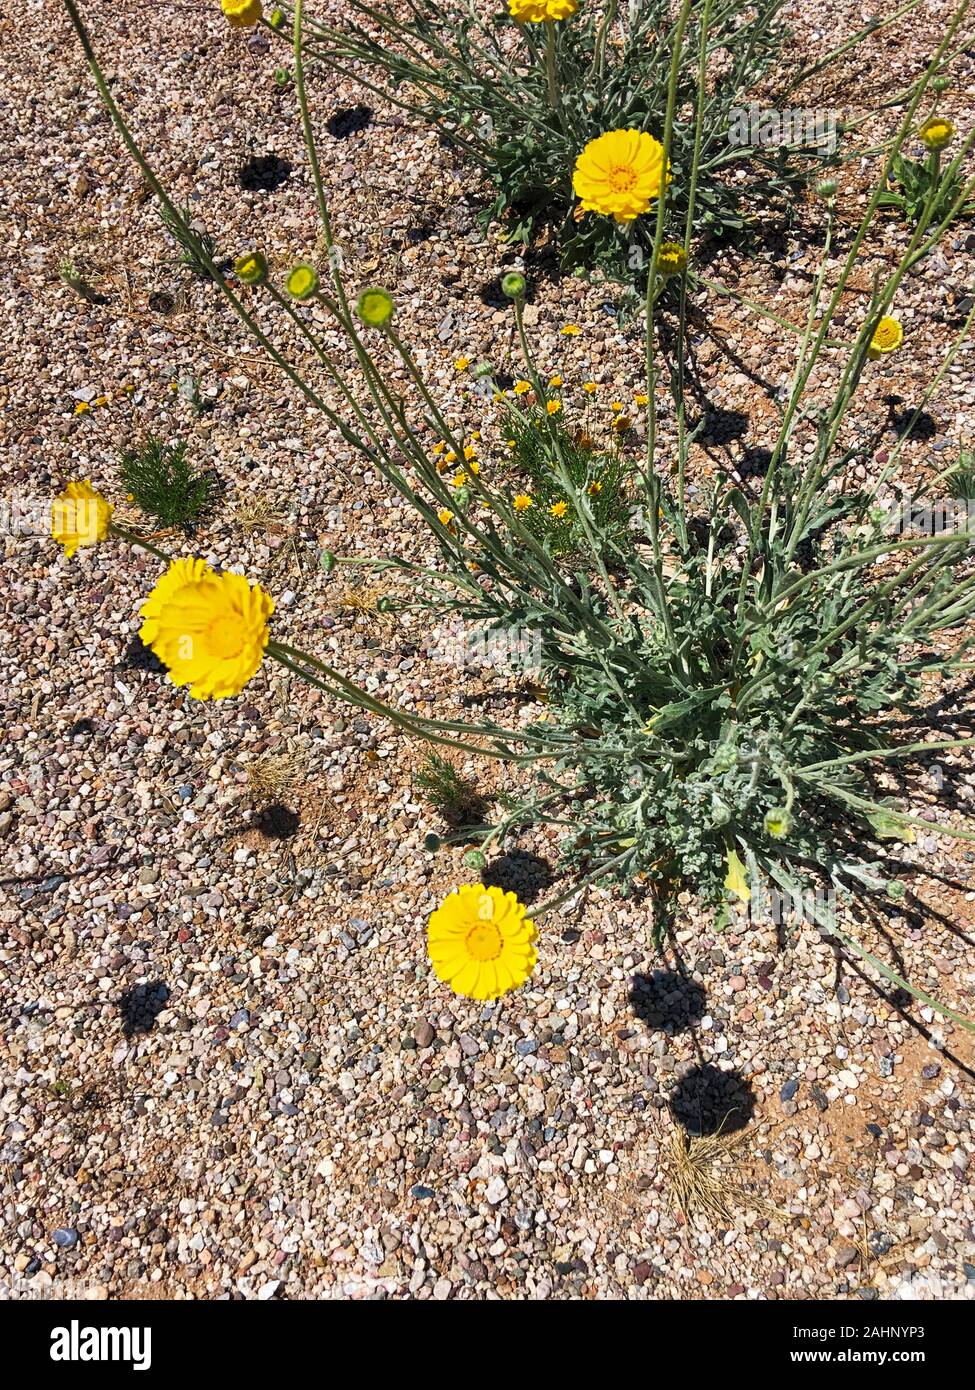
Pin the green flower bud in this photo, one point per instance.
(375, 307)
(827, 189)
(277, 19)
(431, 843)
(513, 284)
(475, 859)
(778, 822)
(251, 269)
(941, 84)
(385, 605)
(327, 561)
(282, 76)
(302, 281)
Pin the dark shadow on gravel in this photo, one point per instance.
(277, 822)
(141, 1005)
(138, 657)
(902, 421)
(526, 875)
(264, 172)
(348, 120)
(708, 1100)
(667, 1000)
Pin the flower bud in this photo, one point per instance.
(475, 859)
(513, 284)
(251, 268)
(827, 189)
(778, 822)
(326, 561)
(375, 307)
(302, 281)
(936, 132)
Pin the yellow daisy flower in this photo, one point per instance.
(480, 942)
(570, 330)
(621, 424)
(538, 11)
(474, 467)
(82, 408)
(101, 400)
(641, 400)
(558, 509)
(470, 452)
(555, 381)
(129, 389)
(209, 629)
(80, 516)
(439, 447)
(450, 456)
(458, 480)
(461, 364)
(445, 516)
(553, 407)
(616, 406)
(522, 502)
(594, 489)
(887, 337)
(620, 173)
(589, 387)
(242, 14)
(475, 435)
(521, 388)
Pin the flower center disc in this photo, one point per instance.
(621, 178)
(224, 639)
(484, 941)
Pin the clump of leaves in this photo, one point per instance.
(522, 116)
(961, 478)
(597, 473)
(448, 791)
(164, 484)
(193, 240)
(921, 185)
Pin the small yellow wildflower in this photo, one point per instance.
(101, 400)
(439, 447)
(672, 259)
(555, 381)
(589, 387)
(445, 516)
(570, 330)
(541, 11)
(82, 408)
(522, 388)
(80, 516)
(887, 337)
(558, 509)
(621, 424)
(458, 480)
(129, 389)
(242, 14)
(470, 452)
(616, 407)
(474, 467)
(461, 364)
(511, 443)
(475, 434)
(450, 456)
(936, 132)
(522, 502)
(553, 407)
(641, 400)
(594, 489)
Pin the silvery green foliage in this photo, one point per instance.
(481, 81)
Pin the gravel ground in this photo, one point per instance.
(227, 1068)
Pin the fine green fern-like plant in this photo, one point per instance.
(160, 479)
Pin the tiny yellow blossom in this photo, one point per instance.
(80, 516)
(559, 509)
(553, 407)
(462, 363)
(936, 132)
(589, 387)
(522, 388)
(242, 14)
(616, 407)
(101, 400)
(887, 337)
(458, 480)
(82, 408)
(470, 452)
(640, 400)
(555, 381)
(522, 502)
(439, 447)
(445, 516)
(570, 330)
(594, 489)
